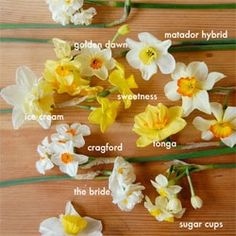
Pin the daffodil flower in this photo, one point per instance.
(124, 192)
(157, 123)
(62, 48)
(164, 188)
(117, 79)
(45, 151)
(70, 223)
(150, 53)
(70, 11)
(74, 133)
(29, 97)
(122, 174)
(191, 83)
(161, 209)
(223, 127)
(66, 159)
(106, 114)
(95, 61)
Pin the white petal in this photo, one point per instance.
(180, 71)
(229, 114)
(201, 102)
(18, 118)
(80, 159)
(163, 46)
(79, 141)
(217, 110)
(148, 71)
(175, 189)
(101, 73)
(84, 130)
(13, 95)
(70, 210)
(187, 105)
(70, 168)
(107, 54)
(134, 44)
(51, 227)
(170, 90)
(207, 135)
(212, 78)
(45, 123)
(198, 70)
(25, 77)
(148, 38)
(161, 180)
(201, 124)
(166, 63)
(93, 228)
(43, 165)
(132, 58)
(230, 141)
(61, 129)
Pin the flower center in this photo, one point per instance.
(187, 86)
(163, 192)
(73, 224)
(148, 55)
(66, 158)
(221, 129)
(96, 63)
(155, 212)
(63, 71)
(120, 171)
(71, 131)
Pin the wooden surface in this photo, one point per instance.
(24, 207)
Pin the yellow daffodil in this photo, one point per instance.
(105, 115)
(157, 123)
(61, 48)
(64, 76)
(117, 79)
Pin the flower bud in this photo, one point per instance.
(196, 202)
(124, 29)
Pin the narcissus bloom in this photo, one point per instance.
(106, 114)
(124, 192)
(223, 127)
(84, 17)
(45, 151)
(164, 209)
(95, 61)
(64, 76)
(74, 132)
(62, 48)
(124, 86)
(163, 187)
(149, 54)
(66, 159)
(29, 97)
(70, 223)
(157, 123)
(191, 83)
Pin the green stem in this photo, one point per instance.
(164, 5)
(219, 166)
(23, 40)
(86, 107)
(185, 155)
(190, 182)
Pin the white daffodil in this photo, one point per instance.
(162, 186)
(191, 83)
(148, 54)
(95, 61)
(70, 223)
(66, 159)
(31, 99)
(127, 197)
(45, 152)
(160, 210)
(122, 174)
(223, 127)
(84, 17)
(196, 202)
(74, 133)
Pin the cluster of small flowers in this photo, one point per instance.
(125, 193)
(60, 151)
(71, 11)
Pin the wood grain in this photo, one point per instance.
(24, 207)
